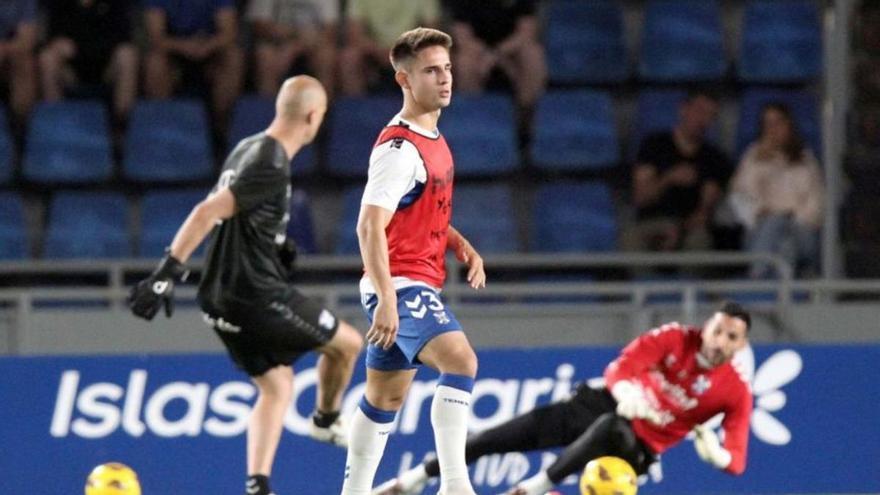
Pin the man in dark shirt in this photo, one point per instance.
(502, 34)
(90, 43)
(264, 322)
(677, 182)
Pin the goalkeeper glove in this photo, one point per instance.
(157, 290)
(631, 402)
(709, 448)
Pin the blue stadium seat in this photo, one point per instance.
(481, 131)
(168, 141)
(657, 110)
(355, 124)
(301, 228)
(13, 233)
(346, 233)
(682, 41)
(484, 215)
(68, 142)
(573, 216)
(87, 225)
(584, 42)
(781, 42)
(802, 104)
(575, 130)
(252, 114)
(7, 152)
(162, 213)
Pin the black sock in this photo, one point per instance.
(258, 484)
(324, 419)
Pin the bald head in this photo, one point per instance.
(299, 96)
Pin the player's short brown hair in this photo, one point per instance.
(410, 43)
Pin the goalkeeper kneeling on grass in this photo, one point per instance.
(664, 384)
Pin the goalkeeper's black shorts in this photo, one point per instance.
(262, 336)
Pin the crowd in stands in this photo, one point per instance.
(552, 74)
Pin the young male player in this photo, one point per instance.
(265, 323)
(664, 384)
(404, 233)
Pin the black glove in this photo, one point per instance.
(151, 293)
(287, 253)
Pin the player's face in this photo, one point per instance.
(430, 78)
(723, 335)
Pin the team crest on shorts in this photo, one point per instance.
(441, 317)
(326, 319)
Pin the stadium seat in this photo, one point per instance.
(7, 151)
(13, 232)
(68, 142)
(803, 106)
(573, 216)
(87, 225)
(252, 114)
(781, 42)
(657, 110)
(484, 214)
(575, 130)
(584, 42)
(346, 230)
(301, 228)
(481, 131)
(162, 213)
(168, 141)
(355, 124)
(682, 41)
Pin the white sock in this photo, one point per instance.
(413, 477)
(538, 484)
(449, 414)
(368, 435)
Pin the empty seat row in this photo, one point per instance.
(565, 216)
(682, 40)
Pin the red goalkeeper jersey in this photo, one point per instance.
(685, 393)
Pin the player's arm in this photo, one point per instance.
(373, 241)
(466, 253)
(640, 355)
(201, 220)
(736, 432)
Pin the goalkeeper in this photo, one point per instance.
(265, 323)
(664, 384)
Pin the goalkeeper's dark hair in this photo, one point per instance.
(734, 310)
(410, 43)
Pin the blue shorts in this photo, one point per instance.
(422, 317)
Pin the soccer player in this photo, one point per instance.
(404, 233)
(664, 384)
(265, 323)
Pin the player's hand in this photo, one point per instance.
(157, 290)
(476, 275)
(386, 321)
(631, 402)
(709, 448)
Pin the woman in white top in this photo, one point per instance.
(778, 188)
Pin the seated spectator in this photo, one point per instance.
(18, 38)
(286, 31)
(200, 34)
(372, 27)
(778, 194)
(502, 34)
(677, 181)
(90, 43)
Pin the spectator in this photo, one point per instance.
(677, 181)
(199, 33)
(90, 43)
(18, 38)
(372, 27)
(501, 34)
(288, 30)
(779, 193)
